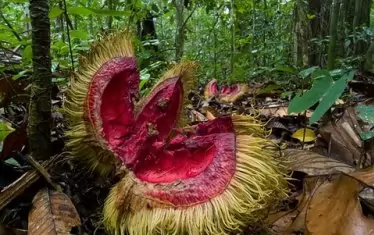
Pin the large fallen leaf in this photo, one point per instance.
(52, 213)
(343, 138)
(293, 221)
(335, 208)
(280, 111)
(15, 189)
(314, 164)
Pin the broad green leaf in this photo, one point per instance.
(83, 11)
(79, 34)
(27, 53)
(306, 72)
(55, 12)
(367, 135)
(349, 76)
(19, 75)
(19, 1)
(5, 129)
(328, 100)
(105, 12)
(268, 88)
(311, 97)
(13, 162)
(366, 113)
(320, 73)
(336, 72)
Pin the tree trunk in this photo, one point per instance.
(333, 33)
(110, 18)
(147, 31)
(302, 31)
(179, 37)
(232, 19)
(39, 123)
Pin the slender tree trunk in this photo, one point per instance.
(333, 33)
(90, 20)
(179, 37)
(39, 123)
(232, 19)
(356, 24)
(110, 18)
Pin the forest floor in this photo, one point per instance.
(330, 194)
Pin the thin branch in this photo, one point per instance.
(68, 34)
(10, 27)
(188, 17)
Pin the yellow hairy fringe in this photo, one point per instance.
(186, 70)
(83, 141)
(258, 183)
(247, 124)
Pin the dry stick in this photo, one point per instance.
(43, 172)
(15, 189)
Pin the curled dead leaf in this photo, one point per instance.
(52, 213)
(335, 209)
(293, 221)
(210, 112)
(314, 164)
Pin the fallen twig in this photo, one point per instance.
(15, 189)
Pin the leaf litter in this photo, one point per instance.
(330, 194)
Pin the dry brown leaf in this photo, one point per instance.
(294, 220)
(52, 213)
(335, 208)
(314, 164)
(343, 138)
(197, 116)
(15, 189)
(280, 111)
(210, 112)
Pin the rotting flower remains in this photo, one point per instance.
(216, 177)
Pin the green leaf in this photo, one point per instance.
(55, 12)
(19, 1)
(306, 72)
(105, 12)
(328, 100)
(27, 54)
(79, 34)
(320, 73)
(13, 162)
(268, 88)
(301, 103)
(336, 72)
(366, 113)
(5, 130)
(367, 135)
(19, 75)
(83, 11)
(349, 76)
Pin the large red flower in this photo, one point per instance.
(202, 179)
